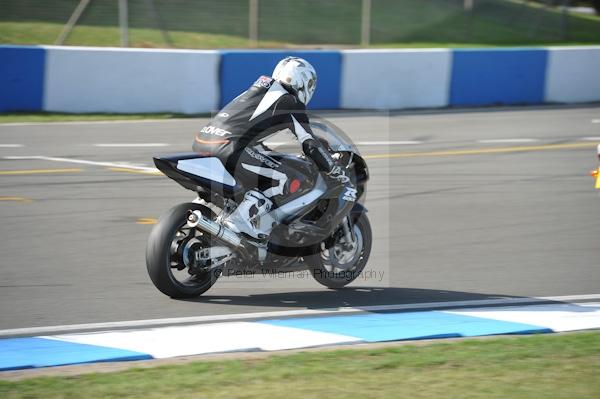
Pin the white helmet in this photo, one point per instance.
(297, 74)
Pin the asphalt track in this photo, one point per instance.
(464, 205)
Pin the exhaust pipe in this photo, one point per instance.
(196, 219)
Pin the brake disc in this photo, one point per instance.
(342, 254)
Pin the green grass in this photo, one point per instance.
(553, 366)
(20, 117)
(105, 36)
(284, 23)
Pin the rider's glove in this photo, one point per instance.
(316, 151)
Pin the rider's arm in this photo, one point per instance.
(312, 148)
(294, 113)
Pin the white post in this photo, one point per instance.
(365, 36)
(468, 5)
(123, 23)
(253, 23)
(71, 22)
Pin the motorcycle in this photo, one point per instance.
(314, 227)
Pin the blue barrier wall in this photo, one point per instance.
(36, 78)
(485, 77)
(21, 78)
(239, 69)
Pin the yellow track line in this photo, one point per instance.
(477, 151)
(16, 199)
(38, 171)
(138, 171)
(147, 221)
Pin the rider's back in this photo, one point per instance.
(263, 109)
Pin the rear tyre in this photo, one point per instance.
(168, 245)
(340, 264)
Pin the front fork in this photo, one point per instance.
(348, 231)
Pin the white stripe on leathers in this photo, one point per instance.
(301, 133)
(275, 92)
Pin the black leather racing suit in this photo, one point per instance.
(265, 108)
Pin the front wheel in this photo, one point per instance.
(170, 251)
(341, 262)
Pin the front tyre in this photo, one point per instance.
(169, 254)
(339, 263)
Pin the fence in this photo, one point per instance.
(274, 23)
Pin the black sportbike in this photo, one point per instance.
(315, 227)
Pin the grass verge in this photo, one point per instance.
(548, 366)
(288, 23)
(109, 36)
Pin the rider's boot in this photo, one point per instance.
(247, 216)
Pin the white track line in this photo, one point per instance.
(496, 141)
(131, 145)
(95, 122)
(11, 145)
(595, 120)
(84, 162)
(365, 143)
(404, 142)
(288, 313)
(591, 138)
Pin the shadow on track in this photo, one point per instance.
(346, 297)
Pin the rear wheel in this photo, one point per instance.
(170, 254)
(341, 262)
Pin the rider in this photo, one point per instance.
(271, 104)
